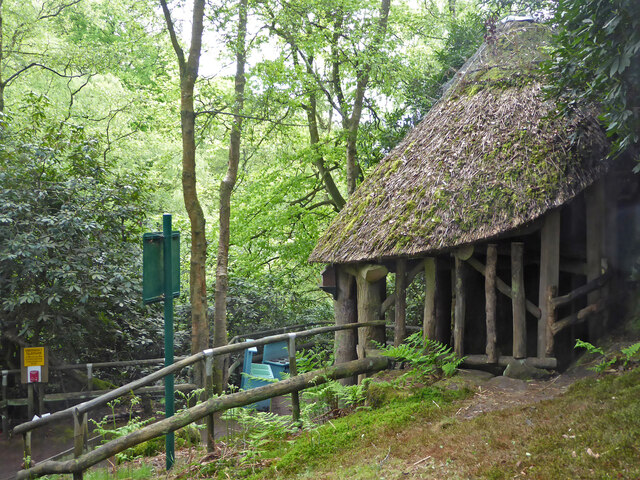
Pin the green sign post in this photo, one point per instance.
(161, 281)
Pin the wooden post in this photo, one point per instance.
(401, 302)
(490, 302)
(5, 409)
(293, 371)
(594, 198)
(549, 273)
(369, 280)
(429, 322)
(30, 401)
(90, 376)
(345, 310)
(209, 387)
(552, 291)
(460, 308)
(80, 429)
(40, 387)
(26, 441)
(518, 302)
(443, 300)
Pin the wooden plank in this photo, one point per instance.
(503, 287)
(401, 302)
(429, 322)
(503, 361)
(593, 285)
(595, 205)
(549, 272)
(460, 308)
(518, 301)
(490, 302)
(193, 414)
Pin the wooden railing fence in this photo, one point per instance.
(79, 413)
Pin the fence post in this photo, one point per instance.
(30, 401)
(293, 371)
(80, 434)
(208, 372)
(5, 409)
(90, 376)
(26, 440)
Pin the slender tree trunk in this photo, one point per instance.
(197, 274)
(226, 189)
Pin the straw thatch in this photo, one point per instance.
(489, 157)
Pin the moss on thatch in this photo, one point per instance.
(488, 158)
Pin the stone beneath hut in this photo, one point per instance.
(521, 370)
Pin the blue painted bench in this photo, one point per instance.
(276, 355)
(255, 375)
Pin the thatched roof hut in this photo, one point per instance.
(492, 183)
(488, 158)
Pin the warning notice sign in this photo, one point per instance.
(34, 357)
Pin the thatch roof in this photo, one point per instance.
(488, 158)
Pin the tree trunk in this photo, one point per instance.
(226, 189)
(197, 274)
(345, 309)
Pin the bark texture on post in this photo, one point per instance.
(460, 307)
(549, 272)
(490, 302)
(443, 301)
(401, 302)
(346, 311)
(595, 198)
(429, 322)
(368, 279)
(518, 302)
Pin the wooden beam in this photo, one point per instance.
(549, 272)
(490, 302)
(503, 287)
(400, 332)
(518, 301)
(578, 317)
(592, 286)
(503, 361)
(460, 308)
(429, 322)
(369, 301)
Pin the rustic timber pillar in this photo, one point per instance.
(549, 274)
(490, 303)
(459, 309)
(518, 301)
(345, 310)
(368, 280)
(429, 323)
(401, 302)
(443, 301)
(595, 205)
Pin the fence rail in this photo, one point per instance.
(79, 412)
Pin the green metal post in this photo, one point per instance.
(168, 334)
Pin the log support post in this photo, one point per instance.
(595, 204)
(370, 279)
(26, 441)
(552, 291)
(549, 276)
(518, 301)
(401, 302)
(429, 326)
(30, 401)
(459, 310)
(90, 376)
(293, 371)
(490, 302)
(345, 310)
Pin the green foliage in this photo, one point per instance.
(596, 58)
(426, 357)
(628, 354)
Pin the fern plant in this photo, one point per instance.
(426, 357)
